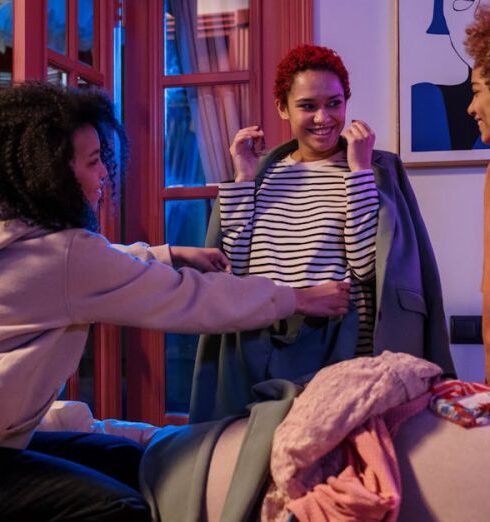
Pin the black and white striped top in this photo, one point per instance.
(306, 224)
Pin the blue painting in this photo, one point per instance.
(435, 82)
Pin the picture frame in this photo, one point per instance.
(434, 84)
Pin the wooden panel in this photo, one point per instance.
(205, 78)
(107, 372)
(30, 40)
(143, 116)
(292, 26)
(76, 68)
(208, 191)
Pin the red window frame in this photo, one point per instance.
(143, 110)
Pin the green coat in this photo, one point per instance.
(175, 466)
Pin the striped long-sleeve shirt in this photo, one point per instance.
(307, 223)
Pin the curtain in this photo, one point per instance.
(215, 110)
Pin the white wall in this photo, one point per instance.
(363, 32)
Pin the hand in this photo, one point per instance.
(204, 259)
(243, 152)
(360, 142)
(327, 299)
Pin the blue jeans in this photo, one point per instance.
(70, 477)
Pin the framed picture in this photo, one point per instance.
(435, 84)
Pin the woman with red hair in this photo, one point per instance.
(324, 206)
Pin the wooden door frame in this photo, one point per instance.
(143, 112)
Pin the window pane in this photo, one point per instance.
(205, 35)
(200, 124)
(6, 42)
(57, 25)
(185, 224)
(57, 76)
(86, 31)
(186, 221)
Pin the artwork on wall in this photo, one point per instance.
(435, 83)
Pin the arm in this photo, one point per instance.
(204, 259)
(106, 285)
(361, 223)
(362, 202)
(237, 209)
(237, 200)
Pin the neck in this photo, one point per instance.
(305, 156)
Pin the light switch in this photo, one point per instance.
(466, 329)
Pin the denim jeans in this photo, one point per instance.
(66, 476)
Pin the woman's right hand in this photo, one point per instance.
(246, 142)
(328, 299)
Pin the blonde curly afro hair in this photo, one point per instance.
(478, 41)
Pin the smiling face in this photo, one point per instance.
(316, 112)
(479, 107)
(87, 165)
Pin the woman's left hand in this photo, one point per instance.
(204, 259)
(360, 142)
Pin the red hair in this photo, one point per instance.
(306, 57)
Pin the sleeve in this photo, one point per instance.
(361, 223)
(145, 252)
(104, 284)
(77, 416)
(237, 209)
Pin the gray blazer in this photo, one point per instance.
(409, 309)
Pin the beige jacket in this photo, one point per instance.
(53, 284)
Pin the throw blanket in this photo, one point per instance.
(339, 399)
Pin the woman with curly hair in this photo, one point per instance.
(478, 47)
(58, 275)
(325, 206)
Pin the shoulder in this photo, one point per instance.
(387, 156)
(80, 237)
(387, 160)
(36, 240)
(91, 248)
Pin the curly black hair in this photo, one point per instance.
(37, 122)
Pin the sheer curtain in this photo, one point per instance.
(216, 111)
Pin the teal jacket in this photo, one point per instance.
(409, 309)
(176, 463)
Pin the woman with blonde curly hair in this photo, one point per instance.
(478, 47)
